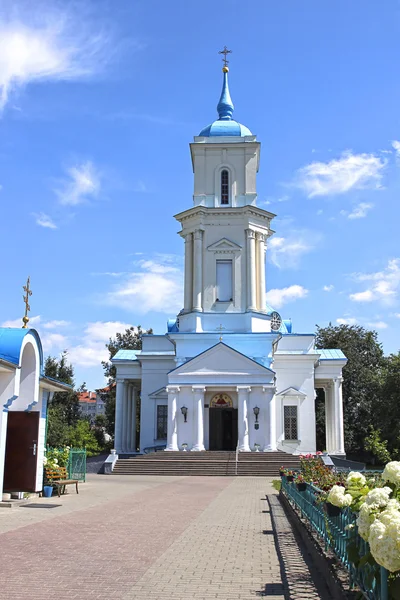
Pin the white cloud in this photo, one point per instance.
(55, 324)
(92, 350)
(384, 284)
(53, 341)
(44, 221)
(378, 325)
(346, 321)
(397, 315)
(328, 288)
(84, 182)
(278, 297)
(359, 212)
(40, 43)
(157, 286)
(396, 146)
(286, 252)
(338, 176)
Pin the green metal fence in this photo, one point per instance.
(76, 467)
(372, 582)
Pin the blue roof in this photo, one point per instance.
(126, 355)
(225, 125)
(11, 340)
(331, 354)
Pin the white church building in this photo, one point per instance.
(230, 372)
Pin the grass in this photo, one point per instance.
(276, 484)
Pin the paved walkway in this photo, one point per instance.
(144, 538)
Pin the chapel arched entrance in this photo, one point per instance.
(223, 426)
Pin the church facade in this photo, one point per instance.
(230, 372)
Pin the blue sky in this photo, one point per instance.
(98, 103)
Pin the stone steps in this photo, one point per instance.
(263, 464)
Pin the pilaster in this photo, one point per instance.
(198, 404)
(243, 420)
(198, 270)
(172, 429)
(251, 270)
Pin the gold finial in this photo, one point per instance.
(26, 288)
(225, 51)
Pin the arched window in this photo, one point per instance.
(224, 187)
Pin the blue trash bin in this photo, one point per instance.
(48, 491)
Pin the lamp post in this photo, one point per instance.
(256, 412)
(184, 411)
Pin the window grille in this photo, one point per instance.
(162, 420)
(224, 187)
(290, 422)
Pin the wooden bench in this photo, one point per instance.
(58, 478)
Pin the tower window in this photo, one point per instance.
(224, 187)
(224, 280)
(290, 422)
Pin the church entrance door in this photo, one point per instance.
(223, 428)
(21, 451)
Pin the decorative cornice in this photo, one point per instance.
(250, 233)
(9, 402)
(172, 389)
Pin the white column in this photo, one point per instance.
(269, 419)
(188, 299)
(129, 420)
(198, 271)
(329, 419)
(251, 270)
(133, 423)
(172, 430)
(261, 270)
(119, 400)
(125, 418)
(198, 404)
(243, 421)
(339, 427)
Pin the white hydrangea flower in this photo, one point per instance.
(392, 472)
(384, 539)
(364, 520)
(44, 460)
(378, 497)
(355, 480)
(338, 497)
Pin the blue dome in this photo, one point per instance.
(225, 128)
(225, 125)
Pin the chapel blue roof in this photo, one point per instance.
(225, 125)
(11, 339)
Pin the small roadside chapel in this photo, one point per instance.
(24, 396)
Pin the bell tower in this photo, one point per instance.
(225, 233)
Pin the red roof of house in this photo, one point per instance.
(87, 397)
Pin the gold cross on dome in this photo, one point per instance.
(220, 329)
(28, 291)
(225, 51)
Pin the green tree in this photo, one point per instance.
(387, 412)
(362, 379)
(63, 411)
(130, 339)
(82, 436)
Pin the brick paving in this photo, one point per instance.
(195, 537)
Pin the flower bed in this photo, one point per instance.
(358, 515)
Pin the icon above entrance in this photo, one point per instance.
(221, 401)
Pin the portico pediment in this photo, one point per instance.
(224, 245)
(221, 364)
(291, 391)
